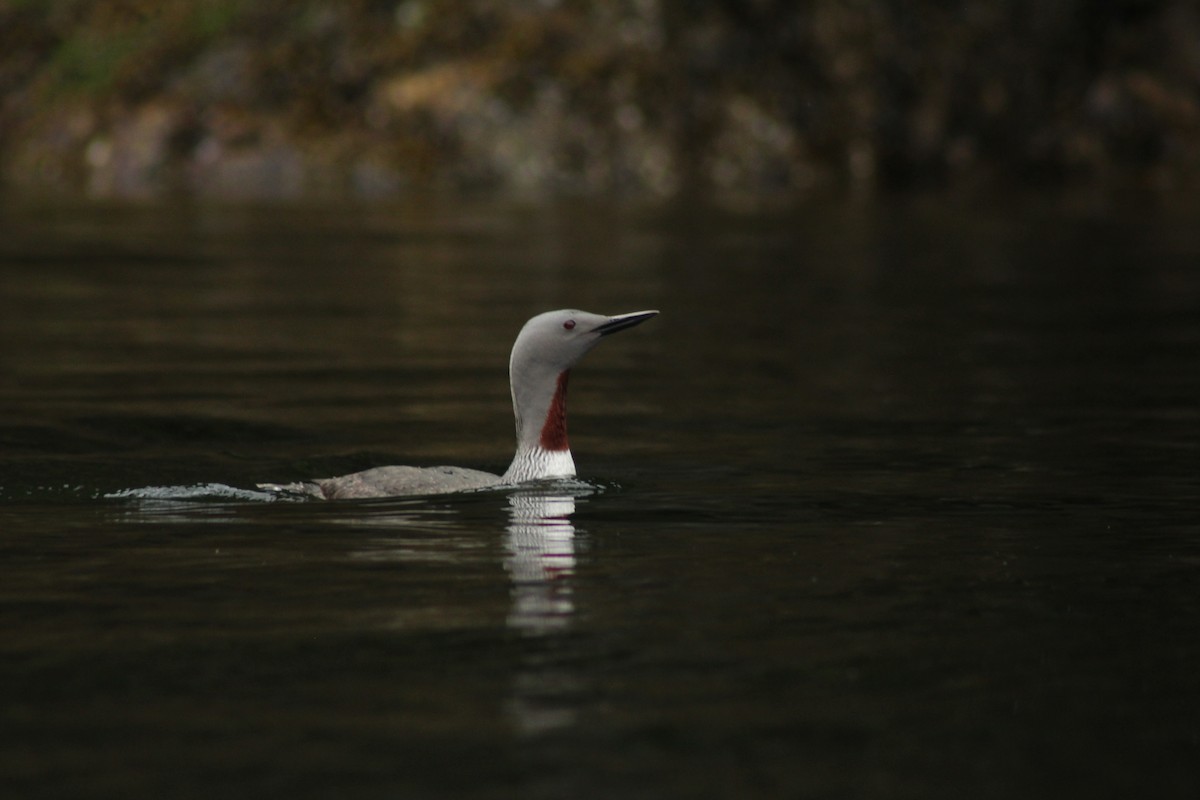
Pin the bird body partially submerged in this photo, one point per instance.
(390, 482)
(542, 356)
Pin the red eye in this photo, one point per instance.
(569, 324)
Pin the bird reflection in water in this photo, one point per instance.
(541, 564)
(541, 557)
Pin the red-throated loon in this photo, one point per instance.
(546, 349)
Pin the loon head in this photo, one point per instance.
(546, 349)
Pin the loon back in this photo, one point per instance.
(390, 482)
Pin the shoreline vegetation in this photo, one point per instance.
(279, 100)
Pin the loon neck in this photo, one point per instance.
(553, 436)
(536, 463)
(542, 447)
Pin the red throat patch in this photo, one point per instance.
(554, 430)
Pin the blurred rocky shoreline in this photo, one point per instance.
(276, 99)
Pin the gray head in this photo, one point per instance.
(548, 346)
(556, 340)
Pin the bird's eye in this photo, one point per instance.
(569, 324)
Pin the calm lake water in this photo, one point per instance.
(895, 499)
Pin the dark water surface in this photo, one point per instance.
(896, 500)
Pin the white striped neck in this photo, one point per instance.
(537, 463)
(542, 447)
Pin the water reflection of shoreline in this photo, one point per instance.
(541, 565)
